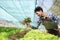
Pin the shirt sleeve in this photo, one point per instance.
(55, 18)
(37, 22)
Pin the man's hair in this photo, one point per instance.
(38, 9)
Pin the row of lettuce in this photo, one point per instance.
(33, 34)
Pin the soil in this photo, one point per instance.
(18, 35)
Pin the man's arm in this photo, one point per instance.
(58, 21)
(37, 22)
(36, 26)
(59, 26)
(55, 18)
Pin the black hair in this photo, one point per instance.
(38, 9)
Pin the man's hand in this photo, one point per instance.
(59, 27)
(46, 31)
(59, 30)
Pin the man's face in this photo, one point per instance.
(39, 13)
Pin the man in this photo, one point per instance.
(51, 16)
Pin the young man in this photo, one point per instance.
(51, 16)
